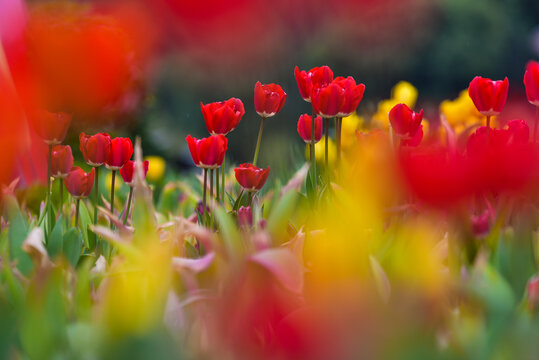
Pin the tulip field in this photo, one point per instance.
(397, 231)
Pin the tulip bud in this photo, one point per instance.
(128, 171)
(245, 216)
(121, 150)
(405, 122)
(95, 148)
(352, 94)
(79, 183)
(61, 161)
(305, 128)
(51, 127)
(487, 95)
(481, 224)
(250, 177)
(269, 99)
(531, 82)
(209, 152)
(316, 77)
(533, 293)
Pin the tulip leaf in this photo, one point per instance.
(17, 233)
(72, 245)
(54, 243)
(281, 213)
(85, 222)
(229, 231)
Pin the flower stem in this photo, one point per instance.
(112, 193)
(204, 192)
(338, 128)
(217, 193)
(96, 200)
(223, 171)
(49, 192)
(211, 184)
(77, 206)
(61, 191)
(313, 157)
(326, 129)
(259, 140)
(128, 204)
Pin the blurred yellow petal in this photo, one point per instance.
(404, 93)
(156, 168)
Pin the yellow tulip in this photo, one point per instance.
(461, 112)
(156, 168)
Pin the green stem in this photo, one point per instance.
(313, 145)
(112, 193)
(338, 127)
(211, 184)
(326, 126)
(259, 140)
(77, 212)
(223, 171)
(204, 192)
(49, 192)
(61, 190)
(217, 193)
(96, 196)
(128, 204)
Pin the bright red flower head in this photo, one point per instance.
(79, 183)
(94, 148)
(487, 95)
(531, 82)
(316, 77)
(128, 171)
(250, 177)
(51, 127)
(328, 100)
(208, 153)
(353, 94)
(269, 99)
(415, 140)
(61, 161)
(405, 122)
(121, 150)
(305, 128)
(222, 117)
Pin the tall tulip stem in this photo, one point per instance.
(211, 184)
(96, 197)
(259, 140)
(223, 171)
(129, 197)
(49, 190)
(217, 193)
(204, 192)
(338, 129)
(313, 156)
(61, 191)
(77, 206)
(112, 192)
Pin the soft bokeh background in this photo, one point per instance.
(145, 65)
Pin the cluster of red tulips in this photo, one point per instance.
(99, 149)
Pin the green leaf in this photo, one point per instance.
(54, 244)
(85, 222)
(229, 231)
(17, 233)
(280, 214)
(72, 245)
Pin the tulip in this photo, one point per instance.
(305, 128)
(79, 184)
(207, 153)
(405, 122)
(531, 82)
(353, 94)
(245, 216)
(127, 172)
(250, 177)
(328, 100)
(51, 127)
(61, 161)
(95, 148)
(269, 99)
(533, 293)
(415, 140)
(121, 150)
(222, 117)
(487, 95)
(316, 77)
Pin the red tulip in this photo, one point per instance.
(488, 96)
(78, 183)
(328, 100)
(250, 177)
(51, 127)
(121, 150)
(245, 216)
(208, 153)
(222, 117)
(269, 99)
(531, 82)
(405, 122)
(415, 140)
(533, 293)
(316, 77)
(61, 161)
(128, 171)
(353, 94)
(305, 128)
(95, 148)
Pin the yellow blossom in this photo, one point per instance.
(156, 168)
